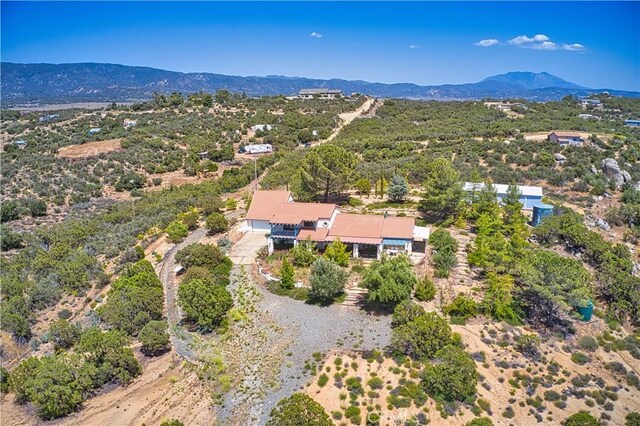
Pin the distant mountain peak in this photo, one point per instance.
(533, 80)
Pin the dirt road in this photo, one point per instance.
(348, 117)
(180, 338)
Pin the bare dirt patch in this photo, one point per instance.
(507, 381)
(89, 149)
(166, 390)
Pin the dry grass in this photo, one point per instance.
(90, 149)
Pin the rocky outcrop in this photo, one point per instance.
(560, 158)
(613, 171)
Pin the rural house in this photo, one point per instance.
(593, 103)
(261, 127)
(262, 148)
(129, 123)
(529, 195)
(48, 117)
(287, 223)
(563, 139)
(320, 93)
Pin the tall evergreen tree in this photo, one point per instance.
(442, 189)
(398, 189)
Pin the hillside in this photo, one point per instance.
(81, 82)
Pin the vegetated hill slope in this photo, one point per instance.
(47, 83)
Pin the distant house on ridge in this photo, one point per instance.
(563, 139)
(320, 93)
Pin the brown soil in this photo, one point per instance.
(165, 390)
(493, 386)
(89, 149)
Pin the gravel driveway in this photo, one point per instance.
(303, 329)
(318, 329)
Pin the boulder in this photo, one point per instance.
(612, 170)
(602, 224)
(626, 176)
(594, 170)
(559, 157)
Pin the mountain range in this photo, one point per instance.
(95, 82)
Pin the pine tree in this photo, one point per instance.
(286, 274)
(398, 189)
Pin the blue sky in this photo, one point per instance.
(593, 44)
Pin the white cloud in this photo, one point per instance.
(543, 42)
(487, 42)
(413, 46)
(315, 35)
(575, 47)
(523, 40)
(545, 45)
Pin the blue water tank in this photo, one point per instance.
(540, 211)
(586, 311)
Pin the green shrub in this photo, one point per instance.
(176, 231)
(304, 254)
(217, 223)
(461, 306)
(528, 344)
(482, 421)
(508, 413)
(632, 419)
(405, 312)
(298, 409)
(581, 418)
(337, 252)
(327, 281)
(425, 290)
(375, 382)
(454, 377)
(390, 281)
(588, 343)
(154, 338)
(323, 380)
(353, 413)
(204, 304)
(580, 358)
(422, 337)
(286, 274)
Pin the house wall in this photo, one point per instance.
(259, 226)
(528, 201)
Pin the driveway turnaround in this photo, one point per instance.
(244, 251)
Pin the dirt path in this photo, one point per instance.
(347, 117)
(181, 339)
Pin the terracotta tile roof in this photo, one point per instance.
(264, 204)
(349, 226)
(294, 213)
(567, 135)
(313, 235)
(398, 227)
(370, 229)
